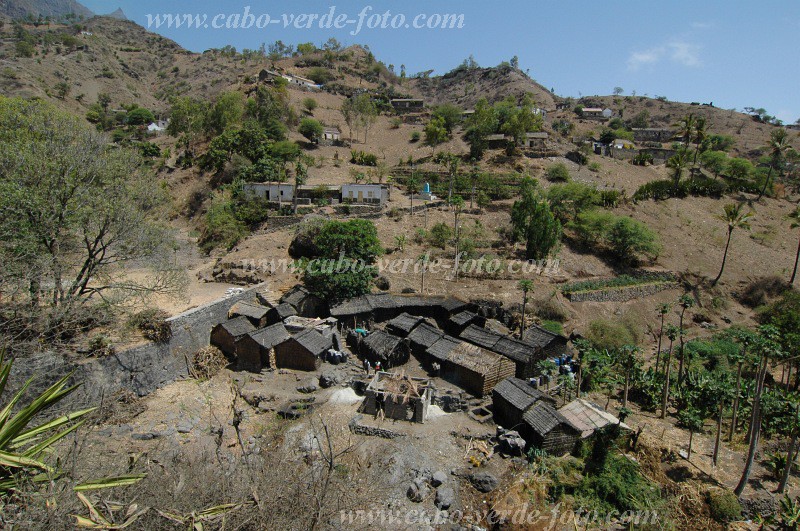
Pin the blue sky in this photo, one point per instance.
(734, 53)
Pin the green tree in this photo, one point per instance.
(309, 104)
(790, 452)
(440, 234)
(435, 133)
(630, 239)
(736, 218)
(525, 286)
(745, 339)
(74, 214)
(533, 222)
(739, 169)
(557, 172)
(663, 310)
(139, 116)
(482, 123)
(686, 302)
(227, 111)
(777, 149)
(450, 115)
(311, 129)
(714, 161)
(629, 361)
(677, 164)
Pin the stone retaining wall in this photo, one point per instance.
(370, 431)
(621, 294)
(141, 369)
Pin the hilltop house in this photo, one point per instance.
(537, 140)
(376, 194)
(300, 81)
(273, 192)
(405, 105)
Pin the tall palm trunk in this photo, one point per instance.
(665, 395)
(719, 433)
(789, 458)
(724, 257)
(766, 184)
(627, 387)
(755, 429)
(796, 260)
(522, 325)
(736, 401)
(689, 452)
(660, 337)
(682, 349)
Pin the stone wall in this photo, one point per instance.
(141, 369)
(620, 294)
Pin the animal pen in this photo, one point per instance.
(397, 396)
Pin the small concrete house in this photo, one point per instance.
(374, 194)
(331, 134)
(303, 351)
(398, 397)
(225, 335)
(275, 192)
(497, 141)
(403, 105)
(592, 112)
(254, 351)
(537, 140)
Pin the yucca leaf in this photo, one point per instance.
(94, 514)
(19, 461)
(107, 483)
(27, 435)
(5, 370)
(6, 411)
(35, 451)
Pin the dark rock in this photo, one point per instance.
(143, 436)
(438, 478)
(307, 389)
(408, 290)
(382, 283)
(445, 498)
(417, 491)
(328, 379)
(483, 481)
(293, 411)
(511, 443)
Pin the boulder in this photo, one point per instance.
(328, 379)
(445, 498)
(382, 283)
(511, 443)
(417, 491)
(483, 481)
(438, 478)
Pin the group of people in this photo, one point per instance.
(368, 366)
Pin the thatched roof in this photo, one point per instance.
(509, 347)
(313, 341)
(474, 358)
(387, 301)
(519, 393)
(238, 326)
(270, 336)
(542, 417)
(538, 337)
(463, 318)
(588, 417)
(248, 309)
(381, 343)
(482, 337)
(443, 348)
(403, 324)
(425, 335)
(297, 296)
(283, 311)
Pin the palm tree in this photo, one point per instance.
(672, 334)
(745, 338)
(698, 136)
(778, 146)
(721, 393)
(790, 455)
(525, 286)
(677, 164)
(423, 259)
(686, 129)
(795, 217)
(663, 310)
(628, 360)
(768, 347)
(735, 218)
(458, 205)
(686, 302)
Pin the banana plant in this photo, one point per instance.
(23, 446)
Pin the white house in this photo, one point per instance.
(536, 140)
(365, 193)
(331, 134)
(158, 127)
(300, 81)
(275, 192)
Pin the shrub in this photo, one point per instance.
(552, 326)
(762, 290)
(311, 129)
(631, 239)
(723, 505)
(415, 136)
(320, 75)
(440, 235)
(153, 325)
(100, 345)
(591, 226)
(695, 186)
(557, 173)
(550, 310)
(206, 362)
(362, 158)
(594, 167)
(610, 334)
(570, 199)
(309, 104)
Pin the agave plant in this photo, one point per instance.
(21, 445)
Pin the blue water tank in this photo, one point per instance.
(427, 188)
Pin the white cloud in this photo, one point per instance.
(685, 53)
(702, 25)
(678, 52)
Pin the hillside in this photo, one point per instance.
(18, 9)
(464, 86)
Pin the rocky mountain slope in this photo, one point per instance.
(17, 9)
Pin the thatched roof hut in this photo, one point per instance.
(305, 303)
(253, 350)
(303, 351)
(224, 335)
(460, 321)
(256, 313)
(382, 346)
(552, 344)
(589, 417)
(403, 324)
(470, 367)
(280, 312)
(423, 337)
(524, 356)
(511, 398)
(385, 306)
